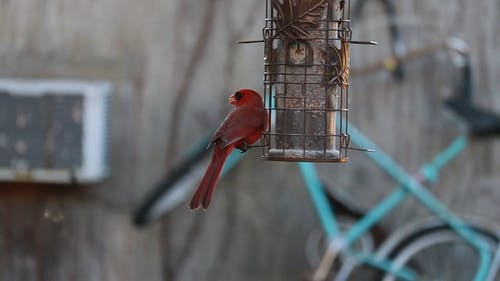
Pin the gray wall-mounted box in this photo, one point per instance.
(53, 130)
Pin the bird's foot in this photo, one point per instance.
(243, 147)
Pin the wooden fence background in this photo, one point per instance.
(173, 64)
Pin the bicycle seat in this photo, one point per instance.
(480, 122)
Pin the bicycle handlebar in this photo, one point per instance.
(480, 122)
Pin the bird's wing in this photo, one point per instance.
(242, 122)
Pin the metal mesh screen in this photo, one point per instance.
(40, 131)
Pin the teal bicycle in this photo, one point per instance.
(405, 254)
(424, 250)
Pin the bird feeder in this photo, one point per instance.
(306, 80)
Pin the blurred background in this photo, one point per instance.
(172, 64)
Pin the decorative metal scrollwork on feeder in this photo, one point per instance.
(306, 79)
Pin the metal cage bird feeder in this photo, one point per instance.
(306, 79)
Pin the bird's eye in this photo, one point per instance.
(238, 95)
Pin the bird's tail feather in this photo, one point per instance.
(206, 188)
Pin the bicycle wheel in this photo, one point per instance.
(317, 244)
(436, 252)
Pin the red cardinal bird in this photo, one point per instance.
(242, 127)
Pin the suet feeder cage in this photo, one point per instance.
(306, 80)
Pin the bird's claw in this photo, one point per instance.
(244, 147)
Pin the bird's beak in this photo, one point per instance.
(232, 99)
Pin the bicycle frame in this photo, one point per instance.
(408, 186)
